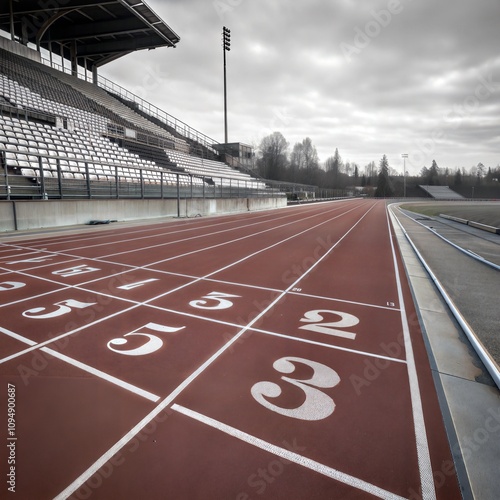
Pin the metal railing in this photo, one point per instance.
(51, 177)
(184, 130)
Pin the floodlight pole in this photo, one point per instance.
(226, 46)
(404, 155)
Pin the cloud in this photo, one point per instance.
(413, 63)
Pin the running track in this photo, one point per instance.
(263, 355)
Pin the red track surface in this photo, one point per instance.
(264, 355)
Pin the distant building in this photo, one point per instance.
(237, 153)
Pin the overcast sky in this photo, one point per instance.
(369, 77)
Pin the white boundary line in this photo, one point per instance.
(84, 367)
(147, 266)
(98, 373)
(180, 287)
(170, 227)
(470, 253)
(102, 258)
(423, 454)
(483, 354)
(169, 399)
(288, 455)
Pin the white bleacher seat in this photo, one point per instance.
(28, 172)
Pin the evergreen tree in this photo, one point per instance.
(333, 166)
(384, 187)
(433, 173)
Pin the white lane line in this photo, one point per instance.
(151, 228)
(83, 366)
(155, 234)
(258, 233)
(145, 267)
(466, 251)
(423, 454)
(488, 362)
(288, 455)
(277, 334)
(173, 242)
(71, 258)
(329, 346)
(344, 301)
(170, 398)
(203, 318)
(17, 337)
(197, 280)
(136, 305)
(105, 376)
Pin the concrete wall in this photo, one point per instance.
(38, 214)
(19, 49)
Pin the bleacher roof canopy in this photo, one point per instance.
(96, 32)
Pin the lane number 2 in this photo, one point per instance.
(334, 328)
(317, 404)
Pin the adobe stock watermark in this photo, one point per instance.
(263, 477)
(468, 447)
(151, 80)
(280, 120)
(94, 482)
(224, 7)
(41, 358)
(288, 277)
(46, 11)
(454, 118)
(372, 29)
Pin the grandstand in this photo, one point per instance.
(441, 193)
(63, 137)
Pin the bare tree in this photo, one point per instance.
(273, 156)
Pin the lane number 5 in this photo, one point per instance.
(64, 307)
(218, 299)
(153, 343)
(317, 404)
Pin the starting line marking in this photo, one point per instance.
(98, 373)
(288, 455)
(82, 366)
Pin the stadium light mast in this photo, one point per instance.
(404, 156)
(226, 47)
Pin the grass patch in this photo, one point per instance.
(484, 213)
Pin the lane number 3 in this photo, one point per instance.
(317, 404)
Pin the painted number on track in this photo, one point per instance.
(152, 344)
(334, 328)
(214, 301)
(64, 307)
(317, 404)
(11, 285)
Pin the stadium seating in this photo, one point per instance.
(441, 193)
(58, 128)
